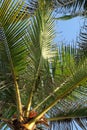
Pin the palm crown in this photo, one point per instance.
(36, 77)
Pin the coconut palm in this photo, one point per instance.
(38, 82)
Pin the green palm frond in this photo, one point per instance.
(73, 5)
(74, 9)
(72, 110)
(74, 105)
(58, 5)
(40, 36)
(72, 15)
(82, 123)
(13, 44)
(64, 87)
(13, 54)
(82, 42)
(31, 7)
(69, 124)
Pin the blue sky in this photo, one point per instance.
(68, 30)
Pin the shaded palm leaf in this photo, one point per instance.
(82, 43)
(40, 36)
(69, 124)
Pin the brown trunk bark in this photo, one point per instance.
(22, 126)
(20, 129)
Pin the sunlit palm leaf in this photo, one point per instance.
(40, 35)
(12, 34)
(74, 79)
(13, 54)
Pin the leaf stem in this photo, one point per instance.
(17, 92)
(64, 94)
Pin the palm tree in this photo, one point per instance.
(38, 82)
